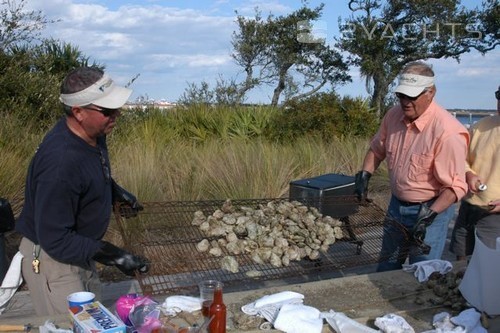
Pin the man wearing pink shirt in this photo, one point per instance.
(425, 148)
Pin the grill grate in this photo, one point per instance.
(163, 233)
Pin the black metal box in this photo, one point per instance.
(332, 194)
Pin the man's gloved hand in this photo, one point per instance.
(425, 218)
(361, 180)
(123, 196)
(111, 255)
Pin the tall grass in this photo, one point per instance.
(18, 143)
(220, 169)
(196, 154)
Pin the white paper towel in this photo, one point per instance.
(11, 281)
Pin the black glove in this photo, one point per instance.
(111, 255)
(123, 196)
(425, 218)
(361, 184)
(7, 220)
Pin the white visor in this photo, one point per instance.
(104, 93)
(413, 84)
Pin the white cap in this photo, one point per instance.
(104, 93)
(413, 84)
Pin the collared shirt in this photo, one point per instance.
(484, 159)
(424, 156)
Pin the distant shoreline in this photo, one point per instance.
(467, 111)
(469, 117)
(473, 113)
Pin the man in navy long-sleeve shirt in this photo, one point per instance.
(69, 196)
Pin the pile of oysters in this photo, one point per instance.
(445, 292)
(275, 233)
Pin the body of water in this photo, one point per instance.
(468, 119)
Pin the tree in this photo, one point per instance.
(197, 95)
(32, 68)
(284, 53)
(226, 92)
(61, 57)
(249, 49)
(489, 20)
(382, 37)
(18, 25)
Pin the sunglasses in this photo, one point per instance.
(497, 94)
(403, 96)
(104, 111)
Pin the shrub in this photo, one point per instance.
(198, 123)
(324, 115)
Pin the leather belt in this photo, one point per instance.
(410, 203)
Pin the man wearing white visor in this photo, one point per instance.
(425, 148)
(69, 196)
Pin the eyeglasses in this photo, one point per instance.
(104, 111)
(497, 94)
(104, 165)
(403, 96)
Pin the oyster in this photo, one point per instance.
(215, 251)
(199, 218)
(231, 237)
(254, 274)
(203, 245)
(233, 247)
(230, 264)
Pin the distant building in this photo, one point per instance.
(161, 104)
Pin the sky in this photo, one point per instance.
(171, 43)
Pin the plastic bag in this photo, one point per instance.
(145, 316)
(140, 312)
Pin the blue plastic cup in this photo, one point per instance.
(80, 298)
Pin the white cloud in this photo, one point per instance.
(266, 7)
(198, 60)
(170, 44)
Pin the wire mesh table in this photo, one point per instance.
(163, 232)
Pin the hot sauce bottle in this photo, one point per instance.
(217, 312)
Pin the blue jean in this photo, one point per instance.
(397, 244)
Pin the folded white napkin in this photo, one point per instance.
(176, 304)
(442, 321)
(268, 306)
(49, 327)
(470, 319)
(341, 323)
(424, 269)
(442, 324)
(299, 318)
(11, 281)
(392, 323)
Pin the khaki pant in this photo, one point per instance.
(49, 288)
